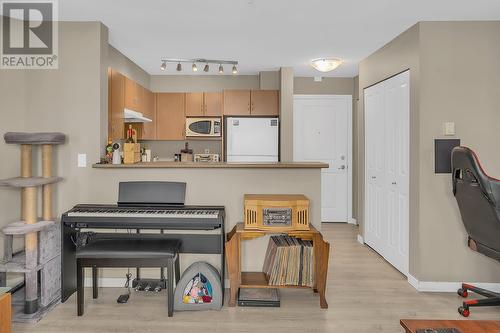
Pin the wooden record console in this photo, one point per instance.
(276, 212)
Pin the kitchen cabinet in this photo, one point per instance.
(194, 104)
(254, 102)
(116, 93)
(212, 102)
(170, 116)
(134, 95)
(237, 102)
(264, 103)
(149, 111)
(200, 104)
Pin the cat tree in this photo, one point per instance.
(41, 235)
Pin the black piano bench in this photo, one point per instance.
(153, 252)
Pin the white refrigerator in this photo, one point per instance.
(252, 139)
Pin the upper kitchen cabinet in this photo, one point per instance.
(212, 104)
(237, 102)
(200, 104)
(264, 103)
(170, 116)
(149, 111)
(134, 95)
(194, 104)
(116, 98)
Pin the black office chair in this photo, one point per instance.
(478, 198)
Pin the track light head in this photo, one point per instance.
(163, 65)
(206, 68)
(235, 70)
(195, 69)
(221, 69)
(179, 67)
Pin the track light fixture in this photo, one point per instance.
(206, 68)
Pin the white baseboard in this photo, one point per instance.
(428, 286)
(352, 220)
(361, 240)
(109, 282)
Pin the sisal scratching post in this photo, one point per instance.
(30, 216)
(47, 189)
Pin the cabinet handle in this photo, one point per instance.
(394, 183)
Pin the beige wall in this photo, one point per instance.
(286, 114)
(269, 80)
(183, 83)
(460, 82)
(127, 67)
(327, 86)
(442, 89)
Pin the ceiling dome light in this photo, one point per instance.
(326, 64)
(179, 67)
(221, 69)
(235, 70)
(163, 65)
(206, 68)
(195, 69)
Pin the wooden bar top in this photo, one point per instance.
(213, 165)
(465, 326)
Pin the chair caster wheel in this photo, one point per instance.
(463, 311)
(462, 292)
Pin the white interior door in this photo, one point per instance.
(322, 131)
(387, 108)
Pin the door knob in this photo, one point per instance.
(393, 183)
(342, 167)
(373, 177)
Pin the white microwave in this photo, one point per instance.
(203, 127)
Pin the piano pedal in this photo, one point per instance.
(152, 285)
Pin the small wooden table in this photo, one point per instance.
(239, 279)
(465, 326)
(5, 311)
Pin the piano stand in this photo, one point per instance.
(125, 253)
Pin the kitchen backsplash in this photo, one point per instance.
(167, 149)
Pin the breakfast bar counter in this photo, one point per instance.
(213, 165)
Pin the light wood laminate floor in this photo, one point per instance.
(364, 292)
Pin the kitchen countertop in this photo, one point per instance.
(212, 165)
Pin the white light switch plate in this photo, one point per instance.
(449, 128)
(82, 160)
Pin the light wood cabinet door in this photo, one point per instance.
(133, 95)
(116, 92)
(170, 116)
(212, 103)
(149, 111)
(194, 104)
(264, 103)
(237, 102)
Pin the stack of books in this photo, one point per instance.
(289, 261)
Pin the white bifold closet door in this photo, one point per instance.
(387, 146)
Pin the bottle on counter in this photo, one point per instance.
(186, 153)
(109, 151)
(130, 135)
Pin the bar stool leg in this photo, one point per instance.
(170, 286)
(80, 285)
(95, 291)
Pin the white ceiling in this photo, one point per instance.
(264, 34)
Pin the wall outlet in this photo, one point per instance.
(82, 160)
(449, 128)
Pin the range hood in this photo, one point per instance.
(134, 117)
